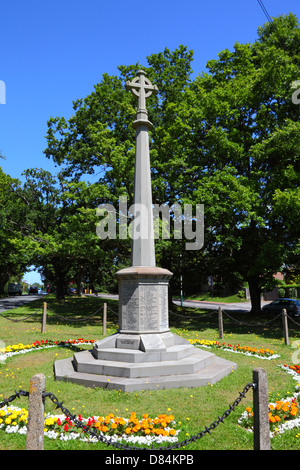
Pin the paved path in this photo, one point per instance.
(17, 301)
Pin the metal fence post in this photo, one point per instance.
(44, 319)
(220, 317)
(285, 327)
(261, 431)
(104, 319)
(35, 425)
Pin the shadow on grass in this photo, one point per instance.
(236, 322)
(75, 311)
(88, 311)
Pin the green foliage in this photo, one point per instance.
(228, 138)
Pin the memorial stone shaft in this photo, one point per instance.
(143, 250)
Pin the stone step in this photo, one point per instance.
(172, 353)
(212, 373)
(85, 362)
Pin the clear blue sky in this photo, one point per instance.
(53, 53)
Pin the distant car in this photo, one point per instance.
(14, 288)
(72, 290)
(33, 290)
(292, 306)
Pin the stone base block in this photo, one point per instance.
(65, 370)
(161, 362)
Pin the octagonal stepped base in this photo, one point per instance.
(171, 363)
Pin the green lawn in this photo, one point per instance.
(193, 409)
(208, 297)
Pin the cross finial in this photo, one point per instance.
(142, 88)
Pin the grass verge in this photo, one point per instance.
(193, 409)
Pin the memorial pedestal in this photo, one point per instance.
(144, 354)
(143, 300)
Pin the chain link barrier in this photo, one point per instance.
(22, 319)
(251, 323)
(54, 313)
(74, 319)
(110, 442)
(228, 315)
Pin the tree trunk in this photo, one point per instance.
(4, 278)
(78, 279)
(255, 293)
(60, 284)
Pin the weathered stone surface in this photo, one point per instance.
(35, 426)
(209, 374)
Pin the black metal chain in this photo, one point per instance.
(118, 445)
(13, 397)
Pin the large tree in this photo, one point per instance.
(250, 153)
(228, 139)
(15, 251)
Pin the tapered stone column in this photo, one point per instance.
(143, 288)
(143, 250)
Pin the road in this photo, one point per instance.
(16, 301)
(232, 307)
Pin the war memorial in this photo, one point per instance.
(144, 354)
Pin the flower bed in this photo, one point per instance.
(284, 414)
(21, 348)
(145, 431)
(262, 353)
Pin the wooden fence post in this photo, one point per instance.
(104, 319)
(261, 431)
(36, 425)
(285, 327)
(44, 319)
(220, 317)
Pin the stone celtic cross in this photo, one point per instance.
(141, 88)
